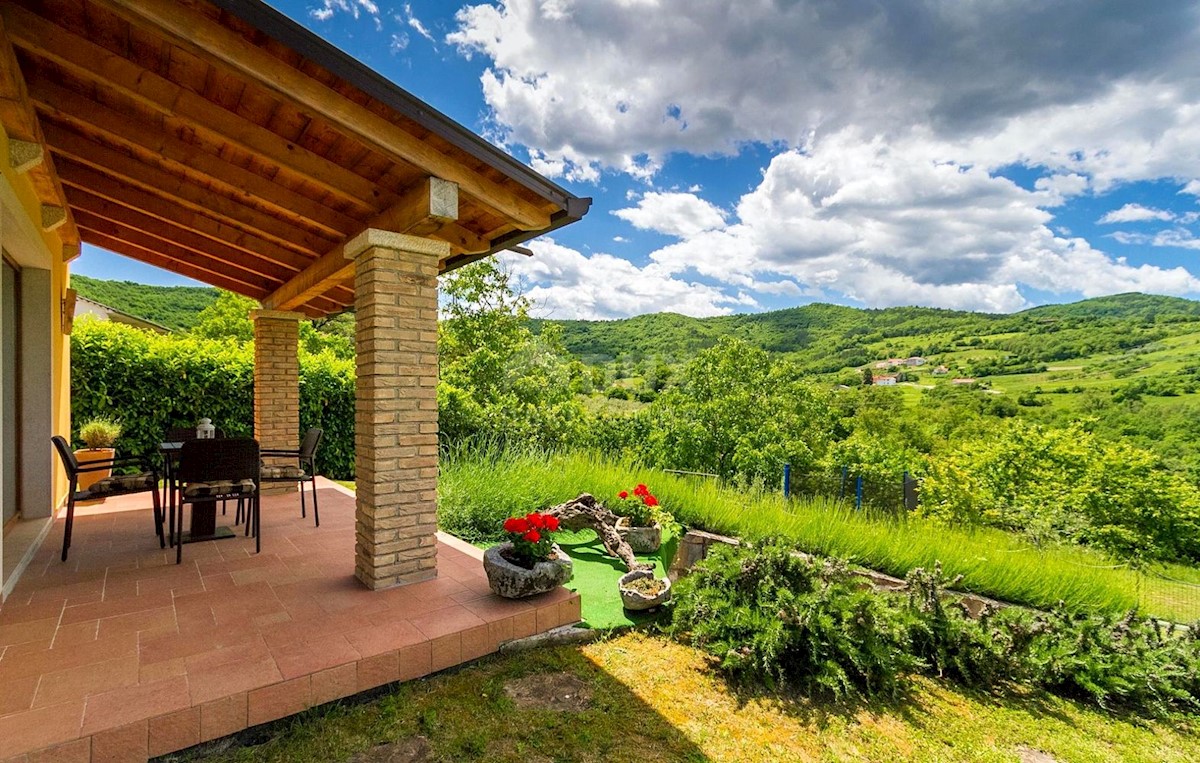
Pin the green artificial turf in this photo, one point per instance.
(596, 576)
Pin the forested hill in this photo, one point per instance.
(176, 307)
(821, 337)
(832, 336)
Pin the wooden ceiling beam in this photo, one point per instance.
(83, 153)
(85, 202)
(132, 243)
(427, 203)
(209, 40)
(103, 67)
(152, 256)
(249, 188)
(20, 121)
(95, 209)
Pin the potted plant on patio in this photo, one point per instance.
(529, 562)
(640, 523)
(98, 435)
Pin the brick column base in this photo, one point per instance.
(396, 418)
(276, 385)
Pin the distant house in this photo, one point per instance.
(961, 380)
(883, 364)
(941, 371)
(888, 380)
(85, 306)
(914, 361)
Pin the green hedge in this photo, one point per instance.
(151, 383)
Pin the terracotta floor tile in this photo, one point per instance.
(446, 620)
(305, 658)
(17, 695)
(151, 619)
(128, 704)
(120, 606)
(77, 751)
(494, 608)
(32, 630)
(126, 744)
(76, 633)
(446, 651)
(334, 683)
(476, 642)
(174, 731)
(378, 670)
(278, 701)
(415, 661)
(232, 678)
(377, 639)
(73, 683)
(222, 717)
(41, 727)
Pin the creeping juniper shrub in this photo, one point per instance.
(770, 616)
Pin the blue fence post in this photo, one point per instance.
(787, 480)
(858, 490)
(842, 489)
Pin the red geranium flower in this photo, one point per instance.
(623, 494)
(650, 500)
(536, 520)
(533, 536)
(515, 525)
(551, 523)
(641, 490)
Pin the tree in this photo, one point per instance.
(736, 412)
(498, 380)
(227, 318)
(868, 378)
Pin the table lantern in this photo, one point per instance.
(205, 430)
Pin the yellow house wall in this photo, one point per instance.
(60, 344)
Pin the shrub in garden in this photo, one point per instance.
(770, 616)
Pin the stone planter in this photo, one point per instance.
(643, 540)
(513, 582)
(86, 456)
(636, 600)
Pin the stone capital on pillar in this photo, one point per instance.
(396, 417)
(279, 315)
(401, 242)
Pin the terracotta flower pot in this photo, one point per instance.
(636, 600)
(86, 456)
(515, 582)
(642, 540)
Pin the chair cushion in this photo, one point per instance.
(218, 488)
(286, 472)
(121, 483)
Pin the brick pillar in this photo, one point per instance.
(276, 384)
(396, 418)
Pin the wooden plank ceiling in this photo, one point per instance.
(222, 141)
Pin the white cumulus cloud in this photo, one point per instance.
(1134, 213)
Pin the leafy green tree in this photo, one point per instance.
(227, 318)
(500, 381)
(738, 413)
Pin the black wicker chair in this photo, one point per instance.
(304, 470)
(217, 470)
(145, 481)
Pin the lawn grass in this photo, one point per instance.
(476, 494)
(656, 700)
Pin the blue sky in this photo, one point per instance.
(752, 155)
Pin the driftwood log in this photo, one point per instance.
(585, 512)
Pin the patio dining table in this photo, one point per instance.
(203, 524)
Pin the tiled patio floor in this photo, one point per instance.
(119, 654)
